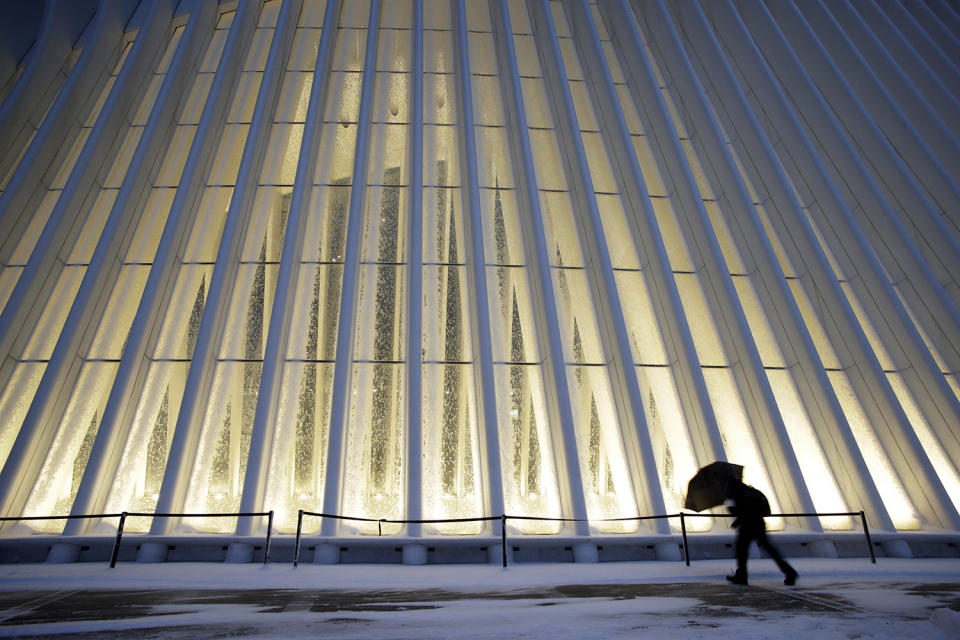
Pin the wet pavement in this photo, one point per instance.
(188, 613)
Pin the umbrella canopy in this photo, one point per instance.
(712, 485)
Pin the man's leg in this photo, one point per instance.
(745, 535)
(789, 573)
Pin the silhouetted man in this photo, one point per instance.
(749, 507)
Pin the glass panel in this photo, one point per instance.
(395, 47)
(441, 156)
(325, 236)
(298, 457)
(817, 474)
(15, 402)
(208, 225)
(391, 97)
(738, 436)
(446, 314)
(117, 317)
(172, 167)
(92, 227)
(437, 50)
(282, 154)
(306, 44)
(388, 155)
(335, 160)
(603, 466)
(502, 229)
(144, 457)
(226, 162)
(152, 222)
(670, 438)
(294, 97)
(579, 328)
(44, 335)
(452, 476)
(67, 457)
(217, 476)
(696, 309)
(244, 97)
(892, 492)
(373, 483)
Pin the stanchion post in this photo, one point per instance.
(266, 546)
(503, 537)
(116, 545)
(296, 546)
(683, 532)
(866, 532)
(380, 527)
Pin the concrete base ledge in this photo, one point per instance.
(462, 549)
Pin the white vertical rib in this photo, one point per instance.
(900, 443)
(108, 258)
(934, 312)
(559, 407)
(39, 165)
(29, 449)
(414, 451)
(927, 82)
(928, 228)
(936, 31)
(921, 102)
(745, 364)
(223, 281)
(346, 332)
(625, 387)
(946, 68)
(55, 244)
(281, 314)
(62, 24)
(919, 154)
(816, 393)
(490, 452)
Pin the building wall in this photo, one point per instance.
(436, 259)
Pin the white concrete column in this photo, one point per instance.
(222, 283)
(927, 106)
(486, 389)
(39, 83)
(880, 404)
(816, 393)
(108, 258)
(937, 31)
(270, 379)
(559, 407)
(722, 299)
(947, 69)
(129, 380)
(919, 153)
(929, 229)
(27, 302)
(56, 242)
(901, 53)
(346, 333)
(934, 312)
(626, 391)
(39, 165)
(414, 450)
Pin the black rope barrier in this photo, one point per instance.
(380, 521)
(504, 517)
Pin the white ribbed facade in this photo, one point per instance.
(434, 259)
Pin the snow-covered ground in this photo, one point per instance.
(847, 599)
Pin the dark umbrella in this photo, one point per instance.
(712, 485)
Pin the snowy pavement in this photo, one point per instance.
(848, 598)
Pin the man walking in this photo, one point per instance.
(749, 508)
